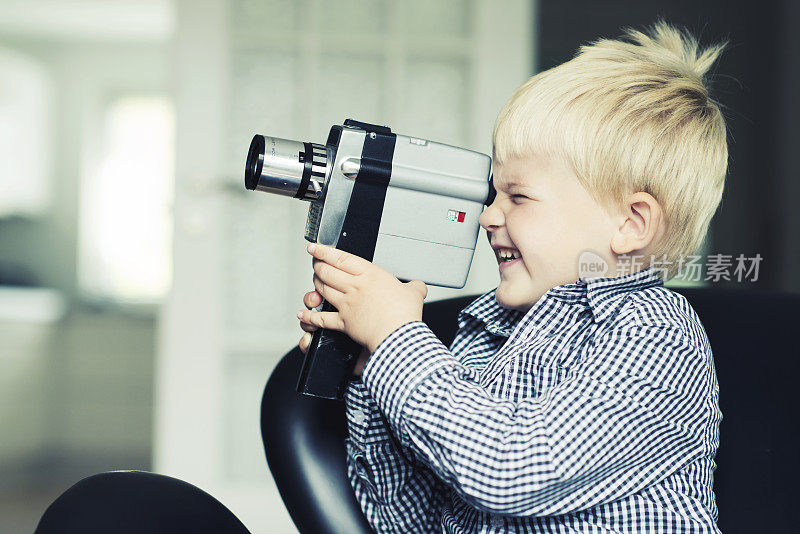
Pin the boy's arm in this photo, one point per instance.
(638, 406)
(395, 495)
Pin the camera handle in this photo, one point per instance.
(329, 362)
(332, 355)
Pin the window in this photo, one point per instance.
(127, 188)
(25, 90)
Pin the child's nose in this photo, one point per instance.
(492, 217)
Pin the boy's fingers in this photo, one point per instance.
(327, 292)
(329, 320)
(308, 327)
(312, 299)
(349, 263)
(305, 341)
(331, 276)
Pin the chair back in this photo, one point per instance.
(304, 440)
(756, 362)
(756, 359)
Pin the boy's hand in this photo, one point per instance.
(370, 302)
(312, 299)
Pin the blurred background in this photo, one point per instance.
(145, 296)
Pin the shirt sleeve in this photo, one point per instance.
(633, 409)
(396, 493)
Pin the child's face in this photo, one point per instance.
(548, 219)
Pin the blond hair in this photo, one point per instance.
(630, 116)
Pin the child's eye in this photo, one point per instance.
(518, 197)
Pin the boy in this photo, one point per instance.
(565, 403)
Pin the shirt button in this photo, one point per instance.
(360, 418)
(496, 521)
(363, 470)
(361, 465)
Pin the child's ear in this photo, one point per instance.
(639, 224)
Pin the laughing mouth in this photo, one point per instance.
(506, 255)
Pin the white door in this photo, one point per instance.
(434, 69)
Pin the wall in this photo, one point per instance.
(757, 80)
(76, 394)
(86, 75)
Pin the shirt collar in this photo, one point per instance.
(498, 320)
(600, 295)
(603, 295)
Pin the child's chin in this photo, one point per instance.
(500, 297)
(508, 302)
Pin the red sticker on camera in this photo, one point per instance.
(456, 216)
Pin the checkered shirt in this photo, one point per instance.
(595, 411)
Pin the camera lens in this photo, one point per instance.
(286, 167)
(255, 162)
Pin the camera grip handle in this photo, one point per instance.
(329, 363)
(332, 355)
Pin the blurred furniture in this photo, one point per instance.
(136, 502)
(30, 320)
(756, 359)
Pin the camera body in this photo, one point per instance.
(408, 205)
(429, 222)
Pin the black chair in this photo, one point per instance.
(304, 438)
(756, 361)
(137, 502)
